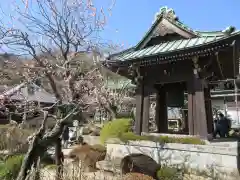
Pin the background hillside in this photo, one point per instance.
(13, 69)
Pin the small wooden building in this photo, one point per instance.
(172, 59)
(25, 95)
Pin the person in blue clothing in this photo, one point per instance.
(222, 126)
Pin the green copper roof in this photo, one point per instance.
(119, 84)
(196, 38)
(210, 33)
(171, 46)
(169, 14)
(225, 32)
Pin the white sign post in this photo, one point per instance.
(76, 125)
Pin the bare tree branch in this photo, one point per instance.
(54, 34)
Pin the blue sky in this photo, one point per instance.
(132, 18)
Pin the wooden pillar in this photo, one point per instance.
(191, 107)
(146, 106)
(139, 109)
(200, 114)
(199, 120)
(209, 113)
(157, 111)
(161, 110)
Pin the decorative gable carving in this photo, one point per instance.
(161, 30)
(166, 23)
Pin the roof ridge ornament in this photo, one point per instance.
(165, 12)
(229, 30)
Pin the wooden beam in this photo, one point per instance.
(168, 73)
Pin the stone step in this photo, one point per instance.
(109, 166)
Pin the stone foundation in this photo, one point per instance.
(202, 158)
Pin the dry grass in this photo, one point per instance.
(136, 176)
(73, 171)
(13, 138)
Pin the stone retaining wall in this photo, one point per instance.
(199, 157)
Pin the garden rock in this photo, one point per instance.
(140, 163)
(91, 129)
(95, 131)
(86, 131)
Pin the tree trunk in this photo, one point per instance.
(58, 159)
(40, 143)
(30, 158)
(33, 153)
(112, 112)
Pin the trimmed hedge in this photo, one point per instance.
(121, 128)
(114, 129)
(130, 136)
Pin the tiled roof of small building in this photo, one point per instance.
(38, 94)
